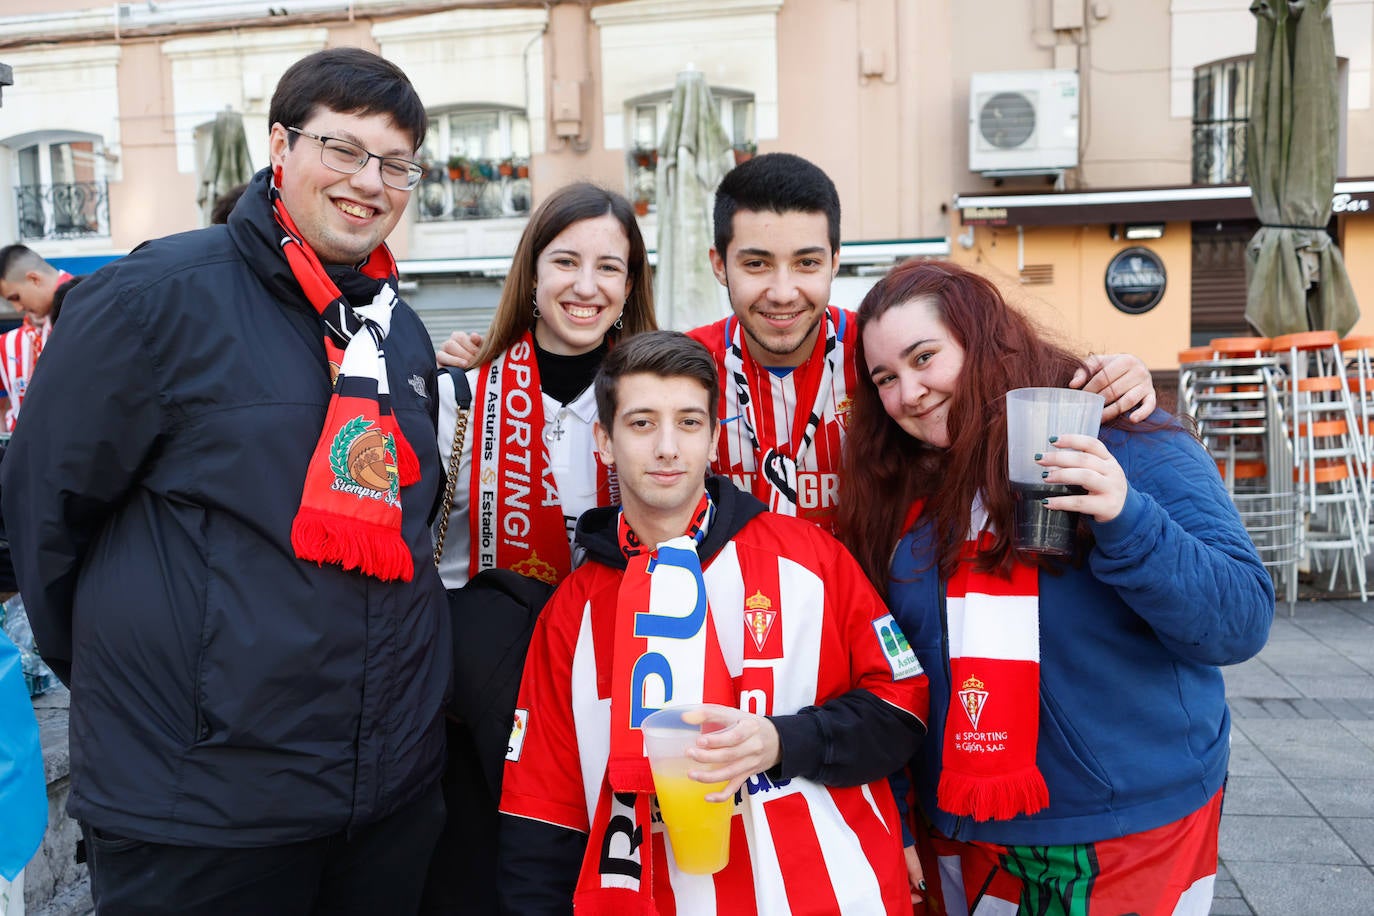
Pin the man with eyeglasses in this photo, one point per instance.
(218, 500)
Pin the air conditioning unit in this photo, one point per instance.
(1023, 122)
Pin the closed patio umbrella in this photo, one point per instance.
(692, 158)
(228, 163)
(1295, 276)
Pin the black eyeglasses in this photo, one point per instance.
(350, 158)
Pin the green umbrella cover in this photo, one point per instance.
(1295, 276)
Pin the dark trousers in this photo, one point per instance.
(462, 875)
(377, 869)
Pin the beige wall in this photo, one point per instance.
(1075, 305)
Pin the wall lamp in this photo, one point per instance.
(1136, 231)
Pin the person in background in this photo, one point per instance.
(1094, 781)
(59, 296)
(779, 627)
(28, 283)
(785, 355)
(219, 514)
(224, 204)
(526, 467)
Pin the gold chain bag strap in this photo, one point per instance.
(463, 395)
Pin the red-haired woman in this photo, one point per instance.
(1078, 735)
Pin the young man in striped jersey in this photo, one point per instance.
(735, 606)
(28, 283)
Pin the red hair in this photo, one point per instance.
(886, 470)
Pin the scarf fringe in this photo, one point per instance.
(372, 549)
(993, 797)
(630, 775)
(407, 464)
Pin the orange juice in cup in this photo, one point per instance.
(698, 830)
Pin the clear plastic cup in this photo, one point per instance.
(1033, 415)
(698, 830)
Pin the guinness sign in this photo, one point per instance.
(1135, 280)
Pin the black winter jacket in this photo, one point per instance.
(224, 692)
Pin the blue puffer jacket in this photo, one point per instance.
(224, 692)
(1134, 730)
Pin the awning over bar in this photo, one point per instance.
(1136, 205)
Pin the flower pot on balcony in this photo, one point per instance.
(505, 168)
(641, 207)
(522, 171)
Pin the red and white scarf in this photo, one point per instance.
(992, 728)
(666, 652)
(350, 510)
(775, 480)
(515, 520)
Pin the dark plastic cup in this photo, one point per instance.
(1040, 529)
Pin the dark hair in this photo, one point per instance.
(21, 257)
(349, 81)
(224, 204)
(666, 354)
(59, 295)
(776, 183)
(885, 469)
(565, 206)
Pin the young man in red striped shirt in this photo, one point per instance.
(735, 606)
(28, 283)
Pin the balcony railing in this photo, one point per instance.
(1219, 151)
(480, 190)
(69, 210)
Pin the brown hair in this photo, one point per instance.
(885, 469)
(569, 204)
(666, 354)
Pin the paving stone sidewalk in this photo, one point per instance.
(1297, 828)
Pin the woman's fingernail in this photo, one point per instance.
(1045, 502)
(1053, 439)
(920, 885)
(1038, 456)
(1044, 474)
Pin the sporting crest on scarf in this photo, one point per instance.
(363, 459)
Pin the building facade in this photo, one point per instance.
(917, 108)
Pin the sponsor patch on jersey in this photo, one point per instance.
(896, 649)
(518, 728)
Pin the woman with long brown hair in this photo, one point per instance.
(1078, 734)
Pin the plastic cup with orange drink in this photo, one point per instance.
(698, 830)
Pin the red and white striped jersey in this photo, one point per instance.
(19, 351)
(782, 404)
(798, 625)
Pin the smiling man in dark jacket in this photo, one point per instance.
(217, 501)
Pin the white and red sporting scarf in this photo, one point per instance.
(22, 347)
(666, 653)
(515, 520)
(350, 511)
(988, 760)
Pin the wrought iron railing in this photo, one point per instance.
(481, 189)
(1219, 151)
(67, 210)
